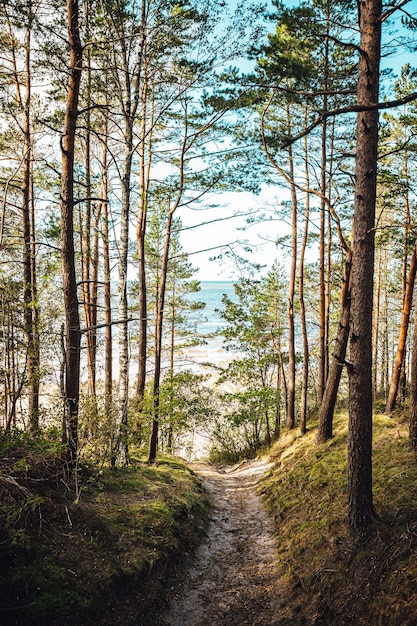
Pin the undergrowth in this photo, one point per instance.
(88, 554)
(326, 579)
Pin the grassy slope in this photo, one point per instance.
(325, 580)
(106, 556)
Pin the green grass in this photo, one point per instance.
(326, 579)
(78, 559)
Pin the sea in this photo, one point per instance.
(206, 359)
(209, 324)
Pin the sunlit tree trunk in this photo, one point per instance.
(408, 280)
(360, 505)
(304, 390)
(376, 324)
(327, 405)
(322, 364)
(127, 80)
(158, 336)
(290, 421)
(413, 389)
(88, 235)
(405, 318)
(145, 162)
(108, 339)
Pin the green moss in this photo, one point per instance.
(126, 523)
(324, 576)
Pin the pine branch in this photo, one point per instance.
(288, 141)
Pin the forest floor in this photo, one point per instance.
(233, 579)
(135, 547)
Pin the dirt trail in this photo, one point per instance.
(233, 579)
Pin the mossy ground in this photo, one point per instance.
(325, 578)
(99, 553)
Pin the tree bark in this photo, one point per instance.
(158, 339)
(31, 315)
(413, 389)
(108, 336)
(322, 365)
(145, 161)
(290, 421)
(73, 336)
(304, 390)
(360, 505)
(326, 410)
(30, 297)
(405, 319)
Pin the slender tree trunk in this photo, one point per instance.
(73, 335)
(128, 88)
(326, 410)
(158, 336)
(290, 421)
(29, 263)
(405, 319)
(376, 325)
(303, 402)
(360, 506)
(88, 236)
(123, 329)
(413, 389)
(145, 161)
(30, 297)
(322, 260)
(108, 338)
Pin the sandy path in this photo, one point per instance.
(233, 579)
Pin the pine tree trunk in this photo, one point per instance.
(304, 390)
(405, 319)
(122, 442)
(108, 335)
(30, 297)
(376, 326)
(73, 335)
(145, 160)
(326, 410)
(360, 506)
(413, 389)
(290, 421)
(31, 314)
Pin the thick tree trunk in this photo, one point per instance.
(360, 506)
(73, 336)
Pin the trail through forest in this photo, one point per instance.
(233, 579)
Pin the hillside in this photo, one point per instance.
(103, 551)
(95, 552)
(325, 579)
